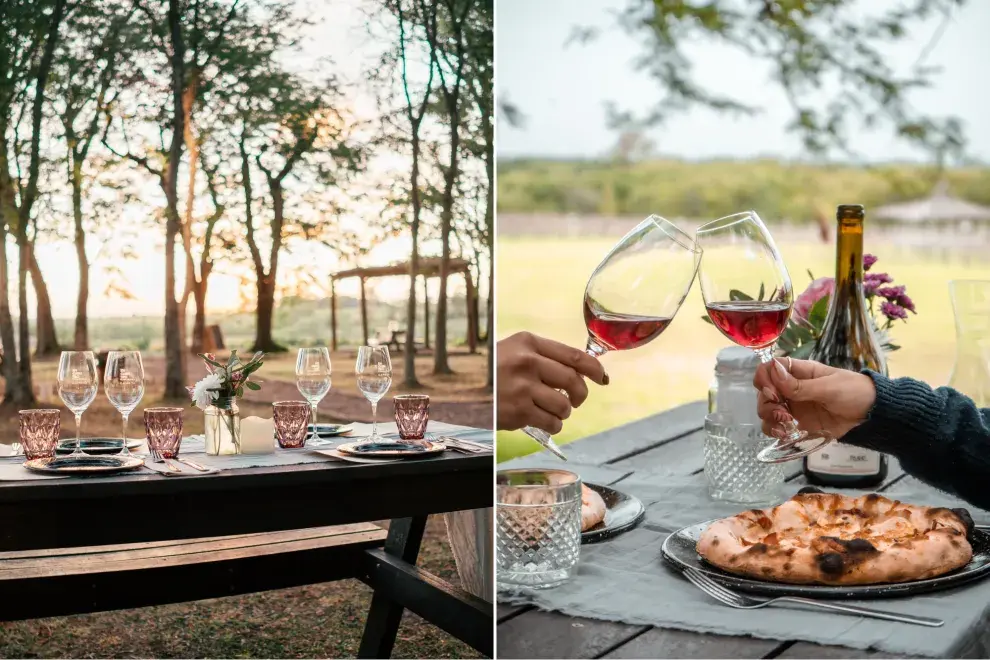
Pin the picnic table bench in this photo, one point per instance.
(78, 545)
(674, 441)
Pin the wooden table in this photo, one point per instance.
(672, 441)
(144, 507)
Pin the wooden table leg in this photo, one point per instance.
(404, 538)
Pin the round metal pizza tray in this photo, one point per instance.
(679, 550)
(622, 513)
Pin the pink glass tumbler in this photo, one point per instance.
(39, 432)
(291, 423)
(412, 413)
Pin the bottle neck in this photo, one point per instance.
(849, 259)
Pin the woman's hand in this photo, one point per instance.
(819, 397)
(530, 371)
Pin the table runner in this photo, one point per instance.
(627, 580)
(193, 447)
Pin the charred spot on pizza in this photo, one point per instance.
(758, 549)
(788, 566)
(715, 541)
(967, 521)
(830, 563)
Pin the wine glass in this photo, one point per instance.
(374, 377)
(78, 382)
(634, 293)
(123, 382)
(748, 297)
(313, 379)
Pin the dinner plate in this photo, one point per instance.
(84, 465)
(393, 449)
(679, 550)
(622, 513)
(330, 430)
(96, 446)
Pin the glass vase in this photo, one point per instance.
(223, 428)
(971, 307)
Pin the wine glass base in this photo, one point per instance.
(782, 452)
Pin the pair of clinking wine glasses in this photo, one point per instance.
(634, 293)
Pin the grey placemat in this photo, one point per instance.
(627, 580)
(193, 447)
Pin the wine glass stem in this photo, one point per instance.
(313, 422)
(374, 419)
(790, 427)
(78, 450)
(123, 435)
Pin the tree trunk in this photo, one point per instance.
(263, 340)
(81, 337)
(440, 362)
(199, 324)
(175, 356)
(47, 341)
(409, 358)
(15, 391)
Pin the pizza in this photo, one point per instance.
(828, 538)
(592, 508)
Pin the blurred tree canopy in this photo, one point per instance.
(827, 56)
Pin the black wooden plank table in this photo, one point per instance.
(144, 507)
(671, 441)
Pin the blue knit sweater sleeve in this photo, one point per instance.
(939, 435)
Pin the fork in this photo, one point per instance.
(739, 601)
(157, 458)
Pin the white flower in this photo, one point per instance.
(204, 393)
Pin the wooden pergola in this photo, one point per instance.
(426, 268)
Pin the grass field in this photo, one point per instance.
(677, 367)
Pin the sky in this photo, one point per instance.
(563, 90)
(338, 32)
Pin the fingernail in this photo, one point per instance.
(781, 416)
(781, 370)
(605, 379)
(777, 432)
(770, 394)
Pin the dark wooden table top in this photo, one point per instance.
(673, 441)
(138, 507)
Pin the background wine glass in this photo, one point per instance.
(78, 382)
(123, 382)
(374, 378)
(313, 379)
(634, 293)
(748, 297)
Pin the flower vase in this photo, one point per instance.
(223, 428)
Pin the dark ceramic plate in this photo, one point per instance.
(679, 550)
(331, 430)
(84, 465)
(393, 449)
(622, 513)
(96, 446)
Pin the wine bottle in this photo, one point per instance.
(848, 342)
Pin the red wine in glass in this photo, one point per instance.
(620, 332)
(750, 323)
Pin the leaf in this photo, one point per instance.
(818, 312)
(736, 294)
(233, 358)
(211, 362)
(252, 386)
(804, 351)
(239, 392)
(892, 347)
(811, 275)
(707, 320)
(762, 292)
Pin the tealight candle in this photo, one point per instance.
(257, 436)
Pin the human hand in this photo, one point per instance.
(819, 396)
(531, 370)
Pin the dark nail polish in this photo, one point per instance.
(605, 377)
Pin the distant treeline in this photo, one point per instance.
(780, 190)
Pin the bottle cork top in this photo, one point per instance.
(850, 212)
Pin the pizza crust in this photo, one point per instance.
(592, 508)
(828, 538)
